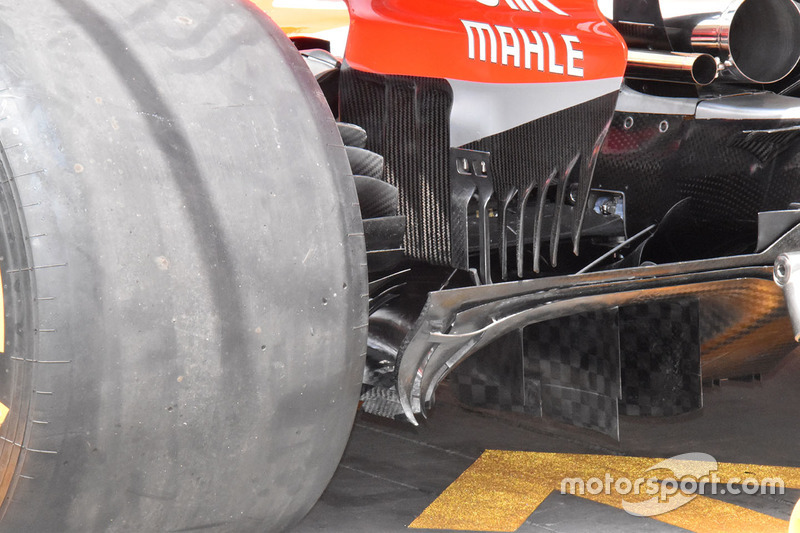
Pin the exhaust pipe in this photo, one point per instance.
(756, 40)
(759, 38)
(676, 67)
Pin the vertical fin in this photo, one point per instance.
(585, 183)
(523, 203)
(512, 192)
(561, 195)
(537, 228)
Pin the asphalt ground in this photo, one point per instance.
(440, 477)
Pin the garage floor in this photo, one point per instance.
(391, 472)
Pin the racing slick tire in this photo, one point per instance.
(183, 270)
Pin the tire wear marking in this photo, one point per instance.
(29, 269)
(12, 178)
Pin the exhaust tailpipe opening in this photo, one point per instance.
(756, 39)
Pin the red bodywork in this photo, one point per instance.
(473, 40)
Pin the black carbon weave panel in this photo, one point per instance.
(576, 360)
(375, 197)
(566, 368)
(492, 378)
(642, 159)
(784, 187)
(362, 102)
(532, 151)
(729, 169)
(536, 157)
(407, 121)
(580, 351)
(581, 408)
(660, 354)
(766, 145)
(382, 401)
(352, 135)
(365, 163)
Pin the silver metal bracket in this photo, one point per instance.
(470, 180)
(786, 274)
